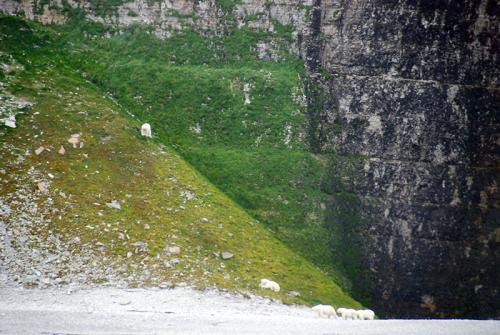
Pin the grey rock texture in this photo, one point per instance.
(406, 92)
(414, 94)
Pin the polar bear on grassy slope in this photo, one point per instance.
(146, 130)
(269, 284)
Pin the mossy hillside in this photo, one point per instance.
(191, 89)
(163, 200)
(200, 105)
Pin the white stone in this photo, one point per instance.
(10, 121)
(174, 250)
(74, 140)
(39, 150)
(246, 92)
(42, 187)
(227, 255)
(114, 204)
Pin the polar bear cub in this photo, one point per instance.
(325, 311)
(269, 284)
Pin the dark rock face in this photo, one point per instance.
(415, 90)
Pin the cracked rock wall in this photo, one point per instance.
(414, 89)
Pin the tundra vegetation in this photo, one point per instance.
(247, 168)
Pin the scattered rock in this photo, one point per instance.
(125, 302)
(140, 246)
(174, 250)
(294, 294)
(146, 226)
(74, 240)
(227, 255)
(10, 121)
(61, 151)
(106, 139)
(187, 195)
(129, 254)
(42, 187)
(39, 150)
(246, 92)
(74, 139)
(205, 220)
(174, 261)
(114, 204)
(165, 285)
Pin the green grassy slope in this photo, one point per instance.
(164, 201)
(191, 89)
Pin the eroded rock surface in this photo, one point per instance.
(414, 91)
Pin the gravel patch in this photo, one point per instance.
(187, 311)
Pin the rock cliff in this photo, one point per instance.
(414, 90)
(406, 94)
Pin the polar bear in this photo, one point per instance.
(269, 284)
(347, 313)
(325, 311)
(365, 314)
(146, 130)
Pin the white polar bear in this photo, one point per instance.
(365, 314)
(347, 313)
(146, 130)
(325, 311)
(266, 283)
